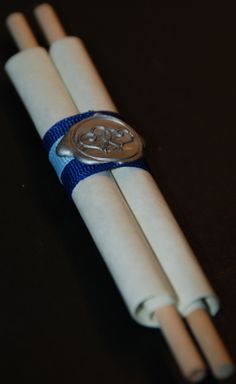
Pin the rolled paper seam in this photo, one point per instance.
(138, 187)
(117, 235)
(167, 240)
(126, 253)
(69, 169)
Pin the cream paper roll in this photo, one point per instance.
(126, 252)
(138, 187)
(72, 58)
(40, 88)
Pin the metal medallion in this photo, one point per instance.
(100, 139)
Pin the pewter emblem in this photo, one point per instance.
(101, 138)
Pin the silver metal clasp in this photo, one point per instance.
(101, 138)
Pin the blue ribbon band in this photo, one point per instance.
(69, 169)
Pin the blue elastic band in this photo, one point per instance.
(69, 169)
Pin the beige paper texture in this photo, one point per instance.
(71, 58)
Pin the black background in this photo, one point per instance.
(171, 72)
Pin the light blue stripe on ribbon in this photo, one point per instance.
(58, 162)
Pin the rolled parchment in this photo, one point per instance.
(137, 185)
(156, 307)
(128, 256)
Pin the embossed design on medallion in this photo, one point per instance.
(106, 139)
(101, 138)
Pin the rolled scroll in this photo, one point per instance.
(115, 231)
(195, 296)
(146, 290)
(138, 187)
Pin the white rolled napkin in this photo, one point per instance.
(137, 186)
(115, 231)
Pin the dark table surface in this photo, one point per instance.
(171, 72)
